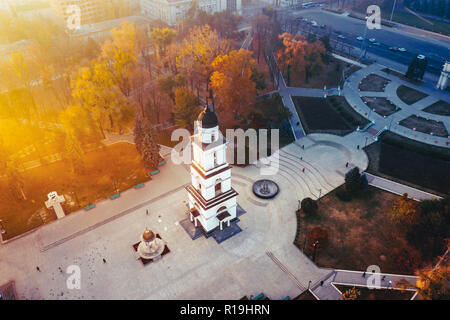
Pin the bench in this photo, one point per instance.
(115, 196)
(154, 172)
(260, 296)
(89, 207)
(287, 298)
(162, 162)
(140, 185)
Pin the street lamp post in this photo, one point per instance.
(364, 39)
(315, 249)
(393, 8)
(2, 230)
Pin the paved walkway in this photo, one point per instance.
(399, 189)
(353, 95)
(262, 258)
(328, 291)
(286, 95)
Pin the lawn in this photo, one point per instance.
(409, 95)
(378, 294)
(373, 82)
(441, 108)
(360, 233)
(428, 126)
(331, 115)
(116, 166)
(410, 162)
(382, 106)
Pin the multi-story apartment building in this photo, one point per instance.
(173, 11)
(91, 10)
(5, 7)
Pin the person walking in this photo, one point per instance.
(104, 260)
(37, 268)
(146, 211)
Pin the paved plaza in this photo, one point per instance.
(260, 258)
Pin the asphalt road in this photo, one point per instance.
(436, 51)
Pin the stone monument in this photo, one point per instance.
(54, 202)
(151, 247)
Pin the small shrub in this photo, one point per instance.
(309, 206)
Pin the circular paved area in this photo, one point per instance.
(354, 96)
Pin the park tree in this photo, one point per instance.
(144, 46)
(186, 109)
(299, 55)
(259, 78)
(353, 181)
(168, 83)
(119, 57)
(78, 121)
(309, 206)
(197, 53)
(232, 84)
(291, 55)
(405, 210)
(351, 294)
(150, 148)
(162, 38)
(95, 90)
(262, 29)
(138, 134)
(74, 153)
(433, 284)
(15, 181)
(313, 64)
(430, 230)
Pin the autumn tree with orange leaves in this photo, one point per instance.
(197, 52)
(405, 210)
(300, 56)
(232, 84)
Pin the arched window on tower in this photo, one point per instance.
(218, 187)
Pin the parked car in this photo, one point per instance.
(376, 43)
(372, 40)
(402, 49)
(360, 38)
(393, 48)
(341, 36)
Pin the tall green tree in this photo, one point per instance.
(150, 148)
(74, 153)
(186, 109)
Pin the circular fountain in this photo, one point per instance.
(265, 189)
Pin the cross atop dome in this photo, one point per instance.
(207, 118)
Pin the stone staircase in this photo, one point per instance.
(310, 183)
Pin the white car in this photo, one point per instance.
(372, 40)
(360, 38)
(341, 36)
(401, 49)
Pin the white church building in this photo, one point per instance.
(173, 11)
(212, 200)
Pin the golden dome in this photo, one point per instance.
(148, 235)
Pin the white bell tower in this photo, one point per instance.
(212, 200)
